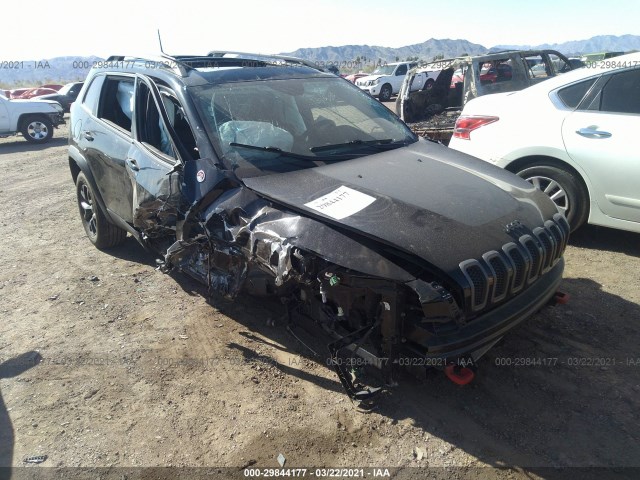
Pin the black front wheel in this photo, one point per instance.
(385, 93)
(564, 188)
(100, 232)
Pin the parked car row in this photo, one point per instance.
(65, 95)
(27, 93)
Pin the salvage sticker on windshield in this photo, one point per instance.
(341, 203)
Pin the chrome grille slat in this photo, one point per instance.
(535, 254)
(479, 280)
(520, 265)
(545, 239)
(501, 274)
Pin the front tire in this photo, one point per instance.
(385, 93)
(564, 188)
(100, 232)
(37, 129)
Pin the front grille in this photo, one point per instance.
(502, 274)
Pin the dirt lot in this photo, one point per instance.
(108, 362)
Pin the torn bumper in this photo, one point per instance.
(483, 332)
(57, 119)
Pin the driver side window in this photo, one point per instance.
(150, 127)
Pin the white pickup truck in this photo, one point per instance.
(35, 119)
(387, 79)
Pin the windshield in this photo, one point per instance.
(384, 70)
(280, 125)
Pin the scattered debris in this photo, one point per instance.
(281, 460)
(183, 337)
(248, 464)
(54, 297)
(90, 393)
(35, 459)
(93, 278)
(418, 453)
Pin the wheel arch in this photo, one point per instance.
(22, 119)
(387, 84)
(77, 164)
(524, 162)
(544, 160)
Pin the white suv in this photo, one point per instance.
(35, 119)
(386, 80)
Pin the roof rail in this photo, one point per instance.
(182, 64)
(264, 57)
(159, 61)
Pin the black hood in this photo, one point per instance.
(424, 199)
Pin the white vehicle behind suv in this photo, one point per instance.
(35, 119)
(387, 79)
(573, 136)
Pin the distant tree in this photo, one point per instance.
(397, 58)
(440, 56)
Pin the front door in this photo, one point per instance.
(602, 137)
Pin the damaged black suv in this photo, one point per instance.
(267, 176)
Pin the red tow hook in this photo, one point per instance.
(561, 298)
(458, 374)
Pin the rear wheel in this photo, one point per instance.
(100, 232)
(564, 188)
(429, 85)
(37, 129)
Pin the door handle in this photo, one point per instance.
(133, 165)
(591, 133)
(87, 135)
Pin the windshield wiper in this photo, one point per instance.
(284, 153)
(322, 148)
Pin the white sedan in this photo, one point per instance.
(575, 136)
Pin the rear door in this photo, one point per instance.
(106, 138)
(602, 137)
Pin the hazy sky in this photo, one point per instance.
(107, 27)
